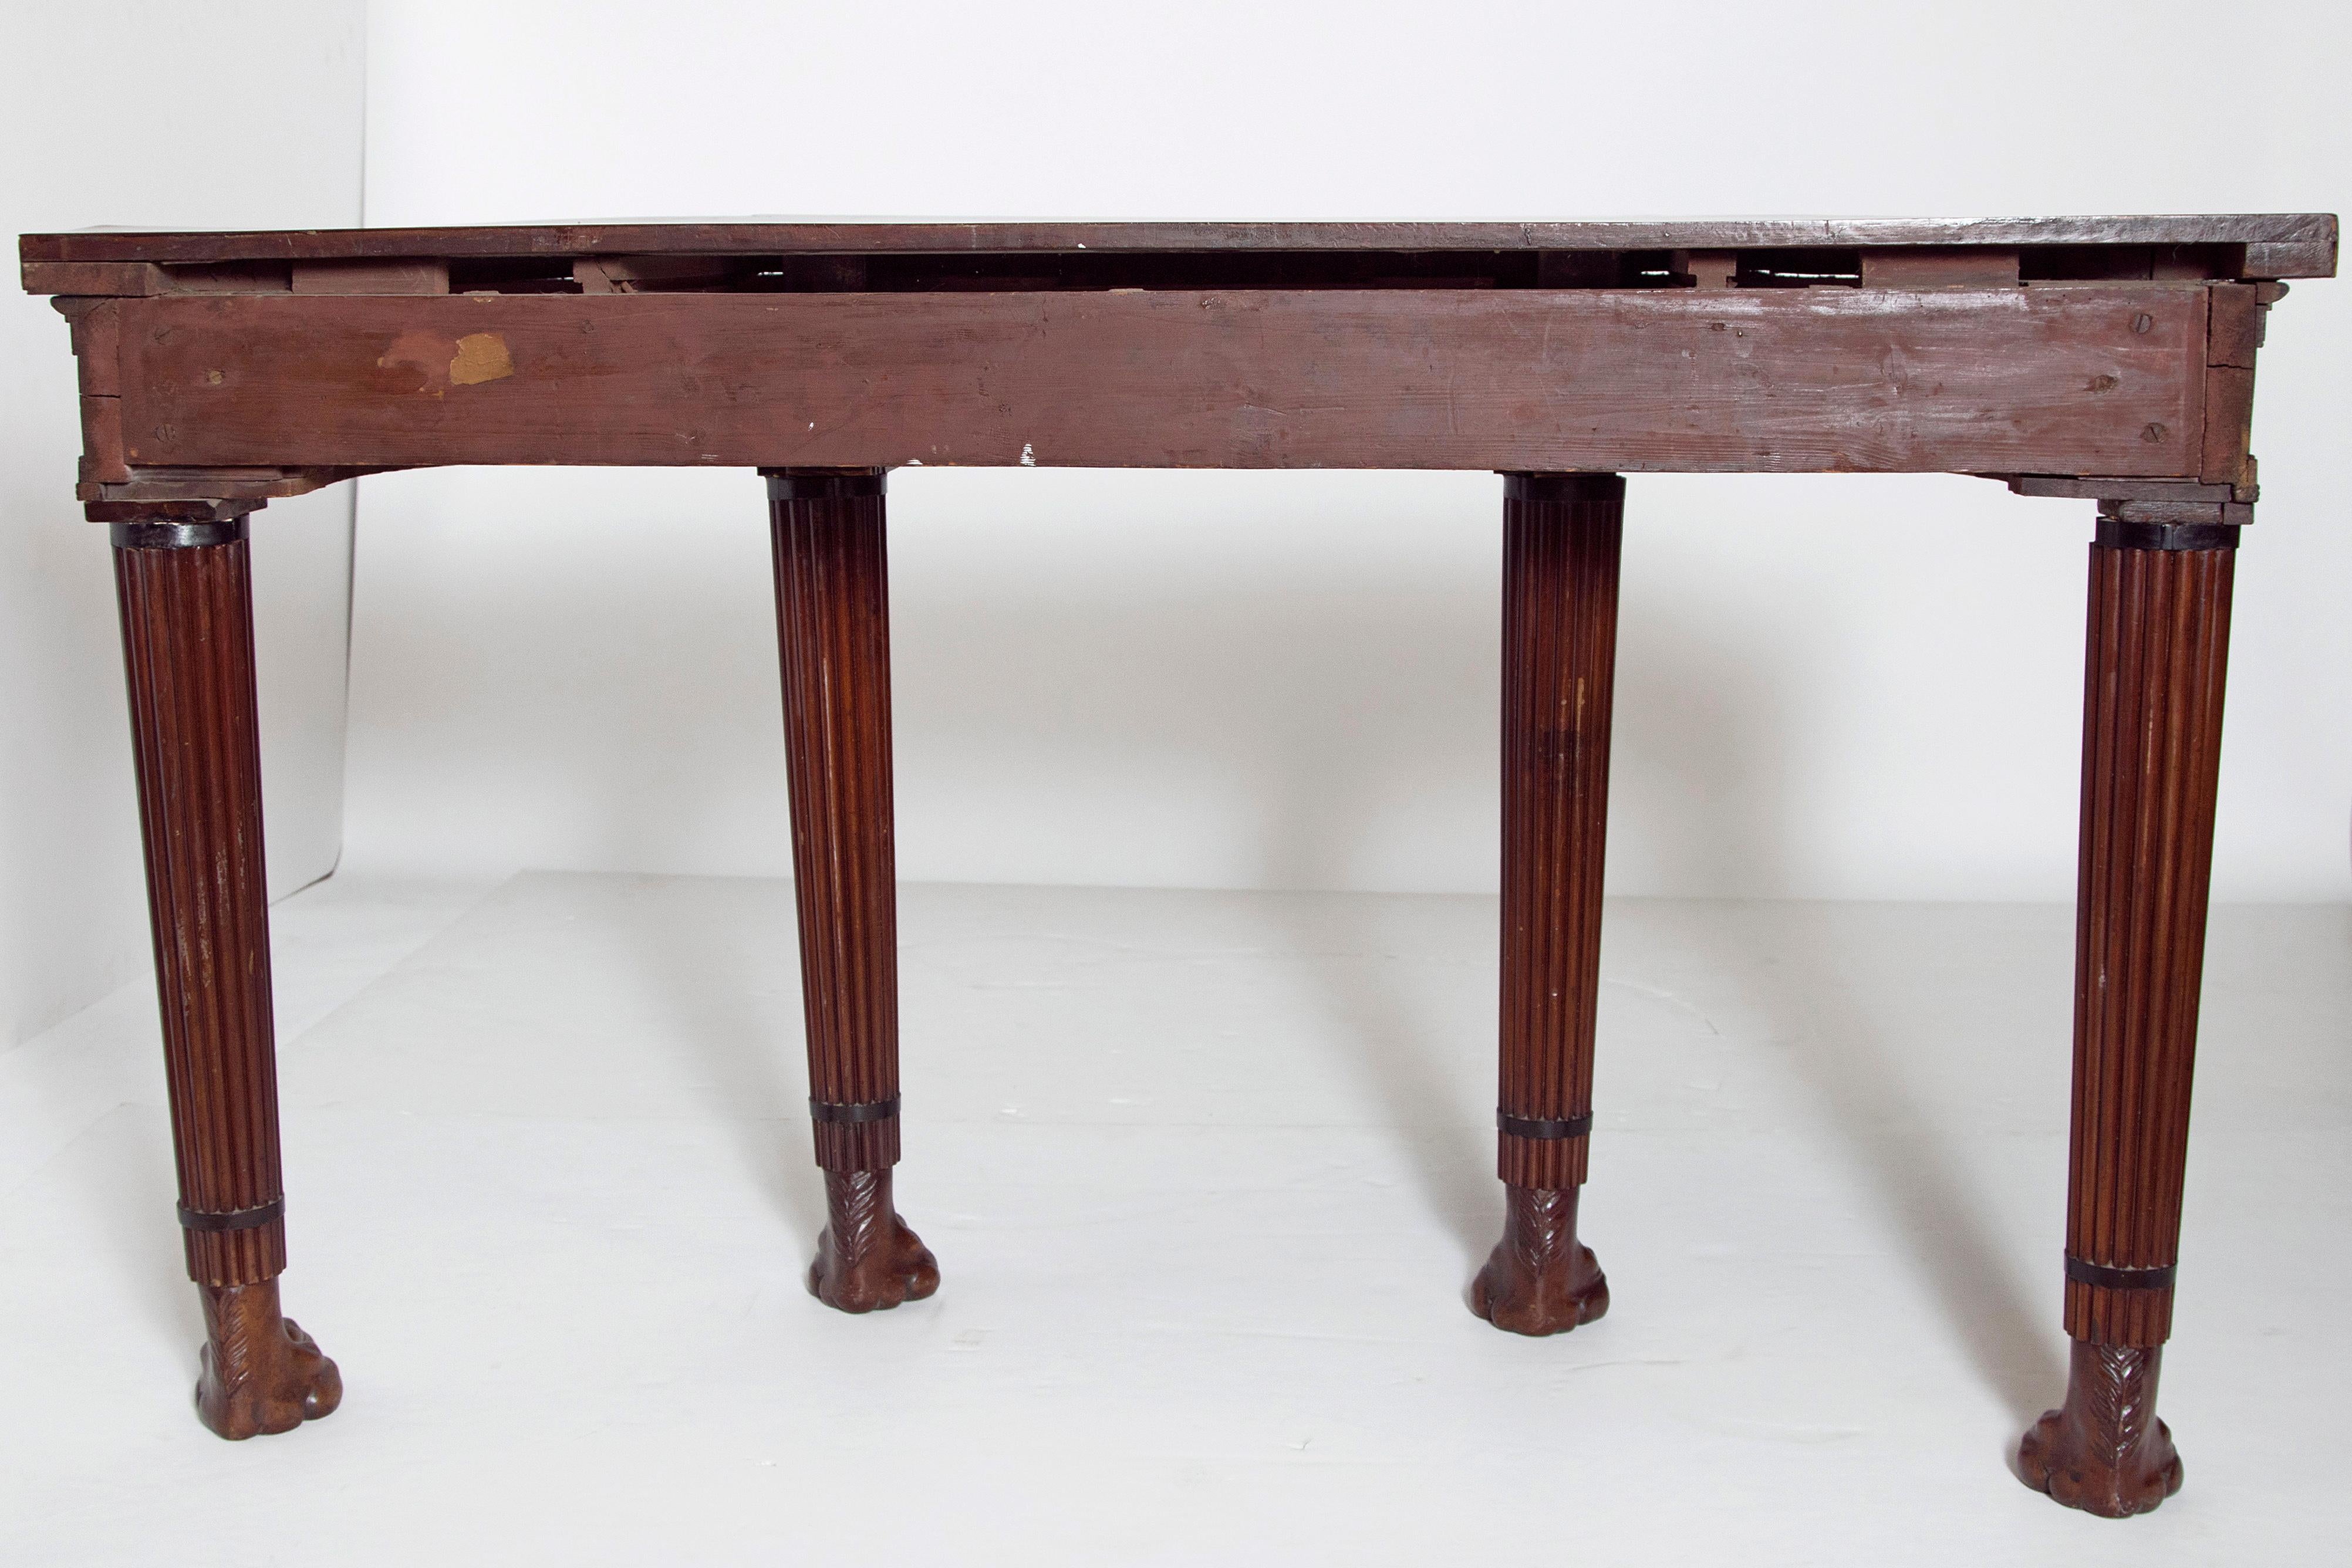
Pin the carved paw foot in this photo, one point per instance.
(1539, 1280)
(867, 1259)
(2103, 1451)
(261, 1373)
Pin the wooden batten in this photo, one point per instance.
(1937, 267)
(95, 278)
(229, 277)
(390, 276)
(650, 273)
(1706, 268)
(102, 456)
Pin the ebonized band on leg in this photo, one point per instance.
(855, 1136)
(824, 484)
(171, 534)
(2158, 1278)
(1537, 1128)
(871, 1110)
(2114, 533)
(252, 1218)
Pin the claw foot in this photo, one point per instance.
(867, 1259)
(1539, 1280)
(261, 1373)
(2103, 1451)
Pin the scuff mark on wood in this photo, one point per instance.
(422, 351)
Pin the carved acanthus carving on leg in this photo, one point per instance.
(261, 1372)
(1539, 1280)
(2104, 1451)
(867, 1257)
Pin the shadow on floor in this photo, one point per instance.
(750, 1044)
(1849, 1058)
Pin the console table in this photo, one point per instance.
(2107, 359)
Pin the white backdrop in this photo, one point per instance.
(147, 114)
(1829, 686)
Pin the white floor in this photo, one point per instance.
(1206, 1174)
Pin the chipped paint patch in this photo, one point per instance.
(480, 357)
(1028, 455)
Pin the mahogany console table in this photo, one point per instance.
(2102, 359)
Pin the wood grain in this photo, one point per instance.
(2015, 380)
(1560, 666)
(2157, 656)
(187, 649)
(833, 623)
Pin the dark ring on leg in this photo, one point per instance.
(1563, 488)
(823, 483)
(2158, 1278)
(1537, 1128)
(2114, 533)
(252, 1218)
(177, 534)
(868, 1110)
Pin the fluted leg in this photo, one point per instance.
(2159, 646)
(187, 645)
(833, 620)
(1561, 537)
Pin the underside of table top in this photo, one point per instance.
(2237, 246)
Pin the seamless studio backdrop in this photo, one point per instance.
(1205, 1171)
(1831, 687)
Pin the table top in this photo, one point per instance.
(2253, 245)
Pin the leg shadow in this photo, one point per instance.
(742, 1038)
(1400, 1058)
(1847, 1057)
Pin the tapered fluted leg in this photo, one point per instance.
(185, 595)
(1560, 545)
(833, 620)
(2158, 645)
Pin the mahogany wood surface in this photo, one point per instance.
(2157, 654)
(2158, 637)
(187, 653)
(185, 595)
(1562, 535)
(832, 624)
